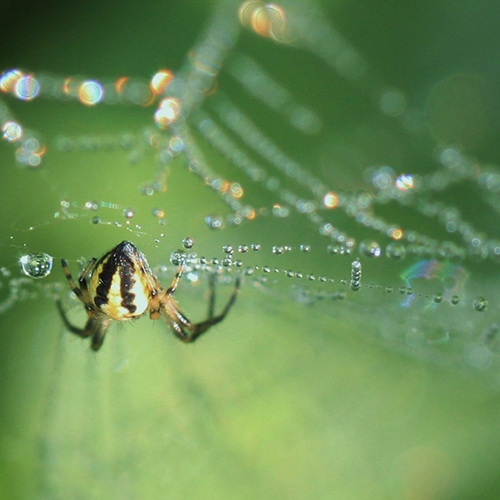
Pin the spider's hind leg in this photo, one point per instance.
(95, 328)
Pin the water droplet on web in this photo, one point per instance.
(255, 247)
(96, 220)
(278, 250)
(370, 248)
(128, 213)
(355, 283)
(478, 253)
(158, 212)
(243, 249)
(178, 257)
(480, 304)
(395, 250)
(455, 299)
(188, 243)
(228, 249)
(227, 262)
(333, 249)
(304, 248)
(438, 297)
(91, 205)
(214, 221)
(36, 265)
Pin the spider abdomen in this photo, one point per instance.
(119, 283)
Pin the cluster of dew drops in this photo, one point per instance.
(367, 249)
(39, 265)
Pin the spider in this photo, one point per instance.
(120, 286)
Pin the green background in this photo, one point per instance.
(282, 400)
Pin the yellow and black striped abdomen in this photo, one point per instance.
(120, 283)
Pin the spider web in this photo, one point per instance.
(281, 150)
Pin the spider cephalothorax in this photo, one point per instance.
(121, 286)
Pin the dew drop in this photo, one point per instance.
(395, 250)
(480, 304)
(243, 249)
(158, 212)
(36, 265)
(455, 300)
(255, 247)
(178, 257)
(333, 249)
(96, 220)
(91, 205)
(128, 213)
(214, 221)
(370, 248)
(388, 289)
(278, 250)
(305, 248)
(355, 283)
(228, 249)
(478, 253)
(438, 297)
(188, 243)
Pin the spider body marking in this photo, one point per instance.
(121, 286)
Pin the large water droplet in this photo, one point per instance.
(36, 265)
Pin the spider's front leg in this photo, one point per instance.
(183, 328)
(82, 291)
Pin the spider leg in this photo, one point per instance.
(95, 328)
(71, 281)
(89, 329)
(82, 280)
(175, 282)
(186, 331)
(98, 337)
(211, 295)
